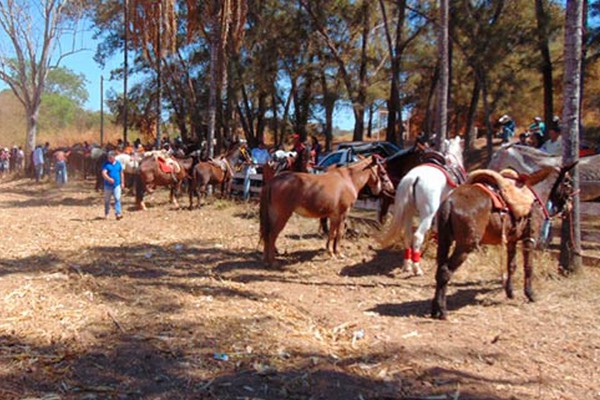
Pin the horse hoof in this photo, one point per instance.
(530, 296)
(417, 271)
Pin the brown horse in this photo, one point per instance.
(151, 174)
(216, 172)
(329, 195)
(470, 216)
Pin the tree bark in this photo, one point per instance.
(442, 95)
(570, 243)
(546, 67)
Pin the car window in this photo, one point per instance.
(331, 159)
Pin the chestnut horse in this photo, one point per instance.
(216, 172)
(468, 218)
(151, 175)
(329, 195)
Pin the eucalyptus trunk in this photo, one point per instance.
(570, 243)
(542, 30)
(442, 111)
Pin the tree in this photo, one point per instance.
(443, 83)
(222, 24)
(570, 243)
(544, 30)
(31, 31)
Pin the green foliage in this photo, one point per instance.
(68, 84)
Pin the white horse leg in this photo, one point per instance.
(407, 238)
(427, 213)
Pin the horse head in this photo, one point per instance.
(386, 184)
(562, 191)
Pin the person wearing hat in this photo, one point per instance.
(508, 128)
(538, 126)
(112, 173)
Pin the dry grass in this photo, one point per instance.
(138, 308)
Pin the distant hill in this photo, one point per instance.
(13, 127)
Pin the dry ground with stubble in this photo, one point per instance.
(137, 308)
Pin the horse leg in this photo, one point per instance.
(383, 210)
(417, 242)
(443, 274)
(407, 238)
(528, 248)
(277, 223)
(336, 231)
(173, 197)
(511, 251)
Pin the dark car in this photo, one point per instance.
(348, 152)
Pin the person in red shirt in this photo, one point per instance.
(300, 149)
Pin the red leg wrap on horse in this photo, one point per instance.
(407, 254)
(416, 256)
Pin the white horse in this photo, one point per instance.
(526, 160)
(129, 163)
(420, 193)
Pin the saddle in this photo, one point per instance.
(220, 163)
(165, 162)
(508, 189)
(454, 175)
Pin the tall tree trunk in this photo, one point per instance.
(570, 243)
(32, 123)
(212, 96)
(442, 112)
(489, 134)
(470, 133)
(546, 67)
(429, 112)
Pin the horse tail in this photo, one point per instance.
(265, 218)
(405, 193)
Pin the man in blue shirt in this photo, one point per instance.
(112, 172)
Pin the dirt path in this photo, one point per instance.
(95, 309)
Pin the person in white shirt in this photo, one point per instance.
(554, 144)
(38, 162)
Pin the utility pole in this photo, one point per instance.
(158, 74)
(125, 70)
(102, 111)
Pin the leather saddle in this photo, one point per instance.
(513, 189)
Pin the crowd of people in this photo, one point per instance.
(536, 135)
(303, 156)
(12, 160)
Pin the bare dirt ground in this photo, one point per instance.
(169, 304)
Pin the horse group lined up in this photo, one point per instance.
(505, 204)
(493, 206)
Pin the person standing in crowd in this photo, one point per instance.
(112, 173)
(554, 144)
(46, 154)
(4, 161)
(299, 148)
(315, 150)
(536, 139)
(13, 158)
(538, 126)
(508, 128)
(38, 162)
(20, 160)
(60, 167)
